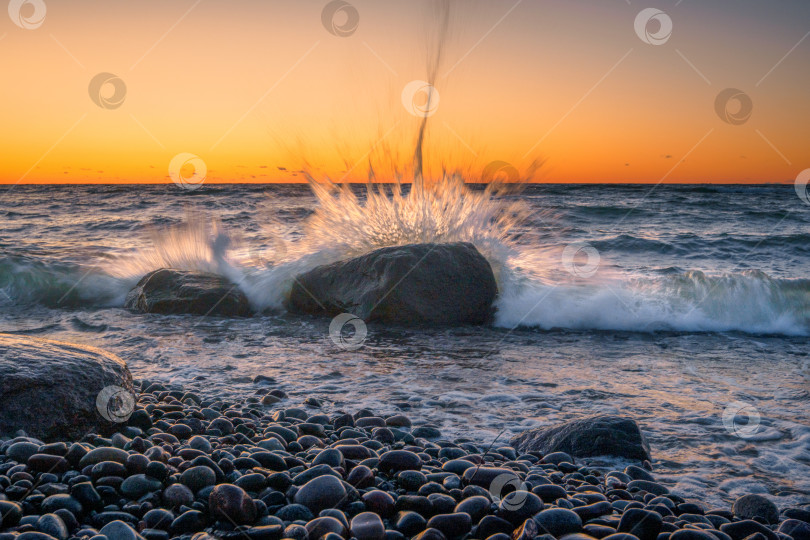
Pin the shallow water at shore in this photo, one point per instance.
(476, 382)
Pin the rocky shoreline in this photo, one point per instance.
(180, 466)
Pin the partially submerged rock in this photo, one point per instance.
(412, 284)
(51, 389)
(172, 292)
(595, 436)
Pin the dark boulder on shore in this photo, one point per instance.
(595, 436)
(173, 292)
(55, 390)
(409, 285)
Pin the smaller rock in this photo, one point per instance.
(53, 525)
(21, 451)
(558, 522)
(367, 526)
(430, 534)
(177, 495)
(451, 525)
(105, 453)
(399, 460)
(196, 478)
(643, 524)
(321, 493)
(527, 531)
(170, 291)
(799, 530)
(230, 502)
(138, 485)
(751, 506)
(119, 531)
(596, 436)
(322, 526)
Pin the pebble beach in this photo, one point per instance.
(183, 466)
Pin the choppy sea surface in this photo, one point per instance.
(684, 307)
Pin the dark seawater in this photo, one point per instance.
(680, 306)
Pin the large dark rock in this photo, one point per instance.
(596, 436)
(53, 390)
(171, 291)
(413, 284)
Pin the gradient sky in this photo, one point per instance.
(259, 89)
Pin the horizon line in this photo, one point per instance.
(583, 182)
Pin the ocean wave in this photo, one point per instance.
(27, 280)
(750, 302)
(677, 301)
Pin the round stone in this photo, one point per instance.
(367, 526)
(380, 502)
(799, 530)
(558, 521)
(322, 526)
(451, 525)
(691, 534)
(106, 453)
(158, 518)
(200, 443)
(518, 506)
(643, 524)
(177, 495)
(411, 480)
(399, 460)
(361, 477)
(53, 525)
(476, 506)
(550, 492)
(198, 477)
(430, 534)
(557, 457)
(410, 523)
(138, 485)
(330, 457)
(294, 512)
(55, 502)
(21, 451)
(118, 530)
(230, 502)
(321, 493)
(751, 506)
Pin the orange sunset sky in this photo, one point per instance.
(597, 89)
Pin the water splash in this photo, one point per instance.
(390, 215)
(200, 244)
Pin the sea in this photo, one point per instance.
(684, 307)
